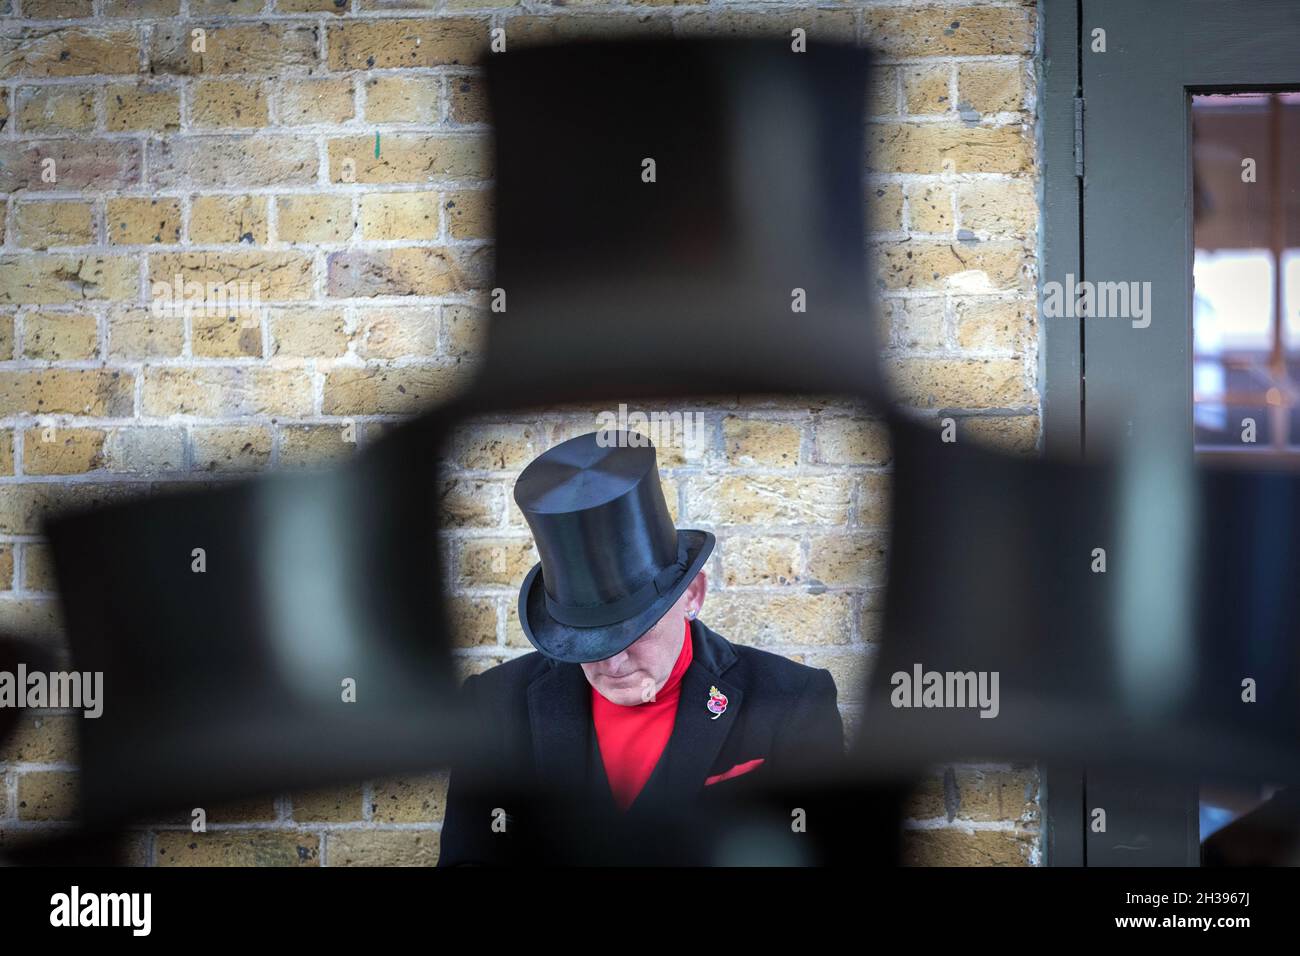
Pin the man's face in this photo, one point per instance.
(638, 672)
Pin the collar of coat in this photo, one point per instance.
(559, 711)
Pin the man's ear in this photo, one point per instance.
(696, 591)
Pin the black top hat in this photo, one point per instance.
(612, 562)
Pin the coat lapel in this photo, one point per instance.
(697, 737)
(559, 712)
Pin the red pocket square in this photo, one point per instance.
(735, 771)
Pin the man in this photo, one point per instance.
(634, 730)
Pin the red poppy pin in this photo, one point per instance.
(717, 703)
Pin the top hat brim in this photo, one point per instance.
(579, 645)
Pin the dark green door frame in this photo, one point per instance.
(1115, 138)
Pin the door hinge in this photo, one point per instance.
(1078, 136)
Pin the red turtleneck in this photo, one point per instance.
(633, 738)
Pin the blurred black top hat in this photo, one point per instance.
(612, 563)
(679, 216)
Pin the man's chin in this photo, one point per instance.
(623, 696)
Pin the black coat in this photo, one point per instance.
(541, 775)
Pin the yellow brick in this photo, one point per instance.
(60, 336)
(337, 805)
(464, 330)
(781, 618)
(409, 158)
(885, 207)
(399, 216)
(216, 219)
(754, 443)
(969, 793)
(999, 208)
(915, 323)
(469, 213)
(961, 383)
(467, 100)
(939, 147)
(25, 507)
(212, 391)
(304, 102)
(484, 562)
(378, 391)
(48, 795)
(62, 451)
(473, 621)
(40, 225)
(72, 51)
(236, 848)
(836, 25)
(238, 335)
(421, 799)
(847, 560)
(263, 48)
(143, 221)
(38, 572)
(470, 503)
(228, 103)
(397, 333)
(310, 446)
(142, 8)
(313, 218)
(47, 279)
(404, 99)
(769, 500)
(966, 848)
(6, 451)
(929, 207)
(308, 333)
(389, 44)
(81, 164)
(246, 448)
(48, 738)
(948, 31)
(242, 160)
(6, 580)
(205, 8)
(990, 87)
(56, 9)
(754, 560)
(403, 271)
(273, 275)
(495, 447)
(995, 324)
(135, 334)
(338, 7)
(101, 393)
(874, 493)
(882, 91)
(953, 266)
(1016, 434)
(852, 441)
(382, 847)
(55, 109)
(925, 89)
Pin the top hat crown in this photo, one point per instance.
(612, 563)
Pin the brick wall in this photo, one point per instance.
(255, 160)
